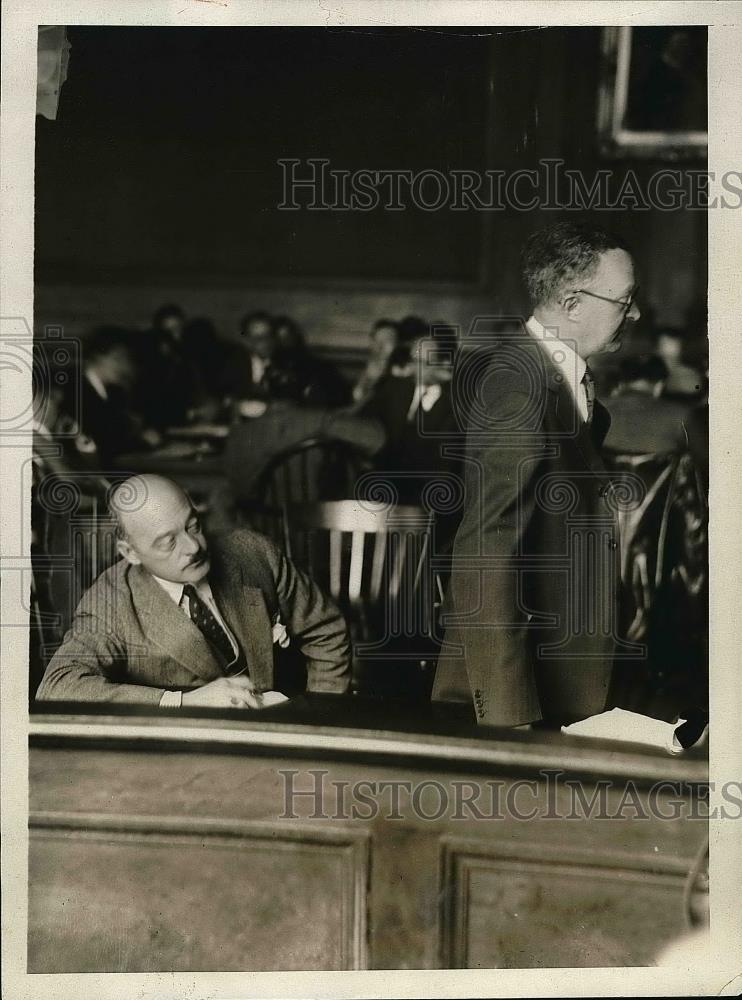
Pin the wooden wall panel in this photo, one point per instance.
(508, 910)
(142, 894)
(130, 868)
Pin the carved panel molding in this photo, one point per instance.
(143, 893)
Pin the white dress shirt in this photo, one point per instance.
(258, 368)
(564, 357)
(424, 396)
(97, 383)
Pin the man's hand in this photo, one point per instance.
(225, 692)
(151, 437)
(252, 407)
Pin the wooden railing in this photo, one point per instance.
(163, 842)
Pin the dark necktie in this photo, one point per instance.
(589, 382)
(204, 619)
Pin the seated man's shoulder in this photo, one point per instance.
(108, 591)
(245, 546)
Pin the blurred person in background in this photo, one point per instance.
(168, 324)
(169, 385)
(206, 352)
(108, 415)
(682, 379)
(249, 373)
(253, 443)
(58, 445)
(643, 420)
(418, 418)
(383, 340)
(410, 330)
(300, 374)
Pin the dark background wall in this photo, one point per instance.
(159, 179)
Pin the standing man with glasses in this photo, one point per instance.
(531, 609)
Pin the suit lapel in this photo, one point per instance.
(404, 399)
(570, 418)
(245, 611)
(601, 423)
(587, 438)
(439, 416)
(167, 627)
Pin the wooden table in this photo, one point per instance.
(199, 432)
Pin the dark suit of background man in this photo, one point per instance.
(417, 415)
(107, 414)
(415, 411)
(169, 382)
(179, 622)
(536, 627)
(251, 370)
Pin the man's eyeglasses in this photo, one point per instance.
(625, 304)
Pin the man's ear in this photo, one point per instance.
(570, 304)
(125, 550)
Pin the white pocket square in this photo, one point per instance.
(279, 633)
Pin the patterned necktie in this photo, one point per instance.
(589, 382)
(203, 618)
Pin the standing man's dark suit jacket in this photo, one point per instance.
(129, 641)
(534, 584)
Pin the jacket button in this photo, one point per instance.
(612, 544)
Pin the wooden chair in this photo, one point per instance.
(643, 523)
(374, 560)
(73, 542)
(316, 469)
(664, 573)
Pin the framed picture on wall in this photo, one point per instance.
(653, 100)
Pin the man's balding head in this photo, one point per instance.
(159, 529)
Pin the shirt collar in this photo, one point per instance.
(563, 356)
(259, 366)
(175, 590)
(97, 383)
(40, 428)
(424, 396)
(172, 589)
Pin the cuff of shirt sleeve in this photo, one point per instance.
(171, 699)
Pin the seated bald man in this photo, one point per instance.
(179, 621)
